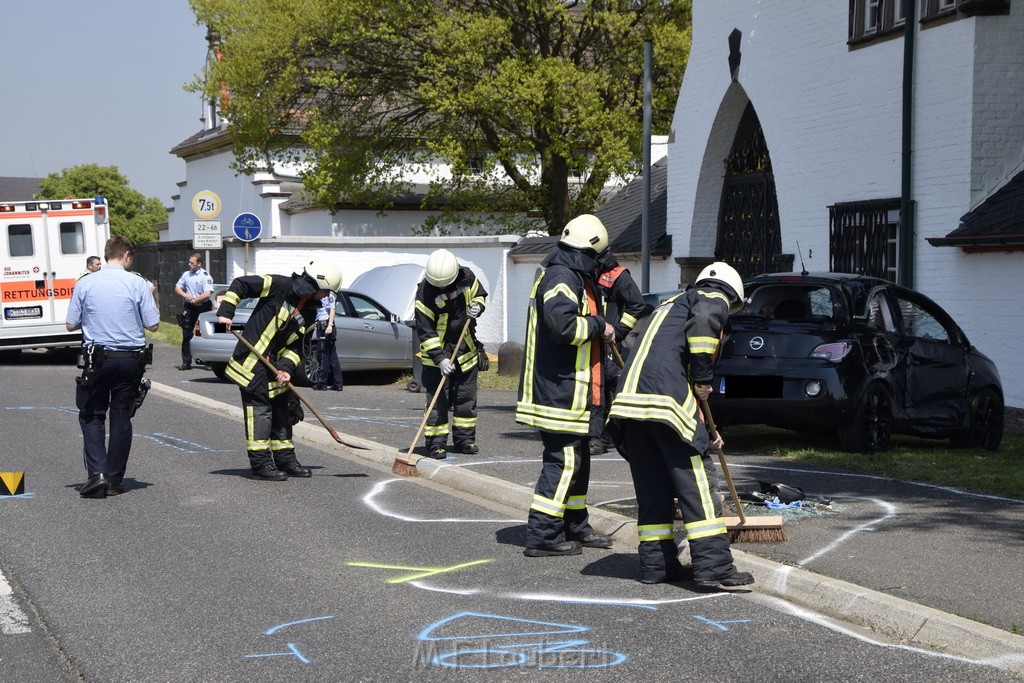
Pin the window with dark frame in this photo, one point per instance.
(863, 237)
(872, 18)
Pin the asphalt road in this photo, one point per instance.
(200, 573)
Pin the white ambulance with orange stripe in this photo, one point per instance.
(43, 248)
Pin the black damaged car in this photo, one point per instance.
(858, 356)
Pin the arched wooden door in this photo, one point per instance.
(749, 236)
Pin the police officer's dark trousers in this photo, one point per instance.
(188, 325)
(558, 512)
(268, 427)
(663, 466)
(458, 396)
(113, 388)
(330, 366)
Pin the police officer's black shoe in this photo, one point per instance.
(184, 366)
(115, 489)
(595, 540)
(563, 548)
(268, 473)
(733, 578)
(96, 487)
(294, 469)
(437, 453)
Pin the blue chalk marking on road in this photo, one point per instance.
(561, 654)
(20, 495)
(292, 652)
(271, 631)
(720, 624)
(180, 444)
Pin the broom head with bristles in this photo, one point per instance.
(767, 529)
(404, 467)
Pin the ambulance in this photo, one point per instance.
(43, 248)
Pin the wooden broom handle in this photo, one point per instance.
(437, 392)
(713, 431)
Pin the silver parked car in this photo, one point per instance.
(369, 337)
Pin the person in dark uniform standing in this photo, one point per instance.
(448, 298)
(560, 389)
(195, 286)
(113, 308)
(326, 345)
(657, 426)
(623, 307)
(286, 311)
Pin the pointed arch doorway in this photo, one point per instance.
(749, 236)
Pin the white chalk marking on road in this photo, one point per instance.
(828, 623)
(576, 599)
(371, 502)
(12, 618)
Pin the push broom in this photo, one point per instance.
(405, 466)
(763, 529)
(340, 438)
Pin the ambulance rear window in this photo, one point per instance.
(72, 238)
(19, 240)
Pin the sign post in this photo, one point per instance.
(247, 227)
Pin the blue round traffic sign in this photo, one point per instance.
(247, 226)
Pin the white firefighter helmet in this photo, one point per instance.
(442, 268)
(720, 271)
(586, 231)
(326, 273)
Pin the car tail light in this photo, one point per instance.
(835, 351)
(198, 331)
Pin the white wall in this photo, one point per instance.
(832, 122)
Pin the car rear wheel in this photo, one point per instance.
(219, 369)
(871, 426)
(985, 422)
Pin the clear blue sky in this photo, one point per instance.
(99, 82)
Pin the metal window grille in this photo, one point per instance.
(863, 238)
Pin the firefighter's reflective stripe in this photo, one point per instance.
(464, 422)
(436, 430)
(576, 503)
(275, 389)
(557, 503)
(702, 344)
(282, 445)
(705, 528)
(553, 419)
(634, 406)
(629, 385)
(252, 443)
(655, 532)
(628, 321)
(703, 487)
(561, 289)
(231, 298)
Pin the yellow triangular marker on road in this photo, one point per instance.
(13, 483)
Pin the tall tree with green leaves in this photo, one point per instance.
(533, 104)
(132, 215)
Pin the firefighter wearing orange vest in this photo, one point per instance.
(623, 307)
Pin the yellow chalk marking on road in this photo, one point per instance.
(420, 572)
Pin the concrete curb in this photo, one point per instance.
(901, 620)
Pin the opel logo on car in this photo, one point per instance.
(756, 343)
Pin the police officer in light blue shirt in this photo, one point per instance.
(195, 286)
(113, 308)
(329, 371)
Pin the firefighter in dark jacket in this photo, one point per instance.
(286, 310)
(657, 426)
(448, 298)
(623, 307)
(560, 390)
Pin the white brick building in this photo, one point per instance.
(825, 81)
